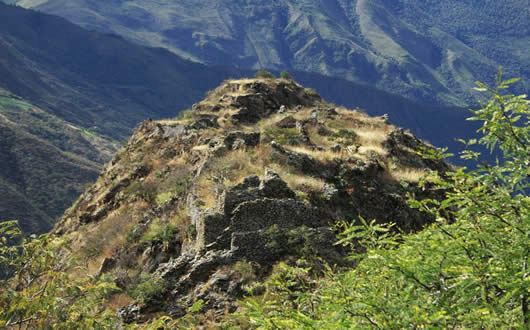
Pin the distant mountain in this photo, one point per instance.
(428, 51)
(45, 163)
(100, 82)
(68, 96)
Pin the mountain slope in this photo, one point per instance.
(67, 96)
(100, 82)
(45, 163)
(428, 51)
(72, 94)
(260, 171)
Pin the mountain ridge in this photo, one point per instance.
(405, 47)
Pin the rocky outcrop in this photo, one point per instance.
(252, 206)
(235, 140)
(253, 100)
(203, 206)
(404, 147)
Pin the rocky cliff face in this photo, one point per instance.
(202, 206)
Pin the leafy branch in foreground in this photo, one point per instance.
(468, 269)
(38, 293)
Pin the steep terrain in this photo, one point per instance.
(429, 51)
(203, 206)
(97, 81)
(73, 94)
(45, 163)
(67, 97)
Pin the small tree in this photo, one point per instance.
(286, 75)
(264, 74)
(40, 293)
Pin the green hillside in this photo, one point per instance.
(97, 81)
(45, 163)
(429, 51)
(67, 97)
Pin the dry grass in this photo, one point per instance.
(270, 121)
(369, 149)
(173, 121)
(182, 221)
(303, 183)
(206, 193)
(303, 114)
(98, 241)
(316, 138)
(202, 147)
(118, 301)
(156, 164)
(178, 161)
(412, 175)
(243, 163)
(231, 169)
(372, 137)
(325, 156)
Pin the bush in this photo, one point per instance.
(284, 136)
(286, 75)
(150, 290)
(41, 294)
(160, 232)
(347, 136)
(263, 74)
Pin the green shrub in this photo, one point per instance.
(286, 75)
(185, 115)
(263, 74)
(182, 184)
(159, 232)
(134, 235)
(150, 290)
(163, 197)
(348, 137)
(144, 190)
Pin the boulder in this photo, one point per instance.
(106, 265)
(287, 122)
(234, 140)
(273, 186)
(204, 121)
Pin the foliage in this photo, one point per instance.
(161, 232)
(185, 115)
(40, 293)
(286, 75)
(163, 198)
(264, 74)
(345, 136)
(469, 269)
(151, 289)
